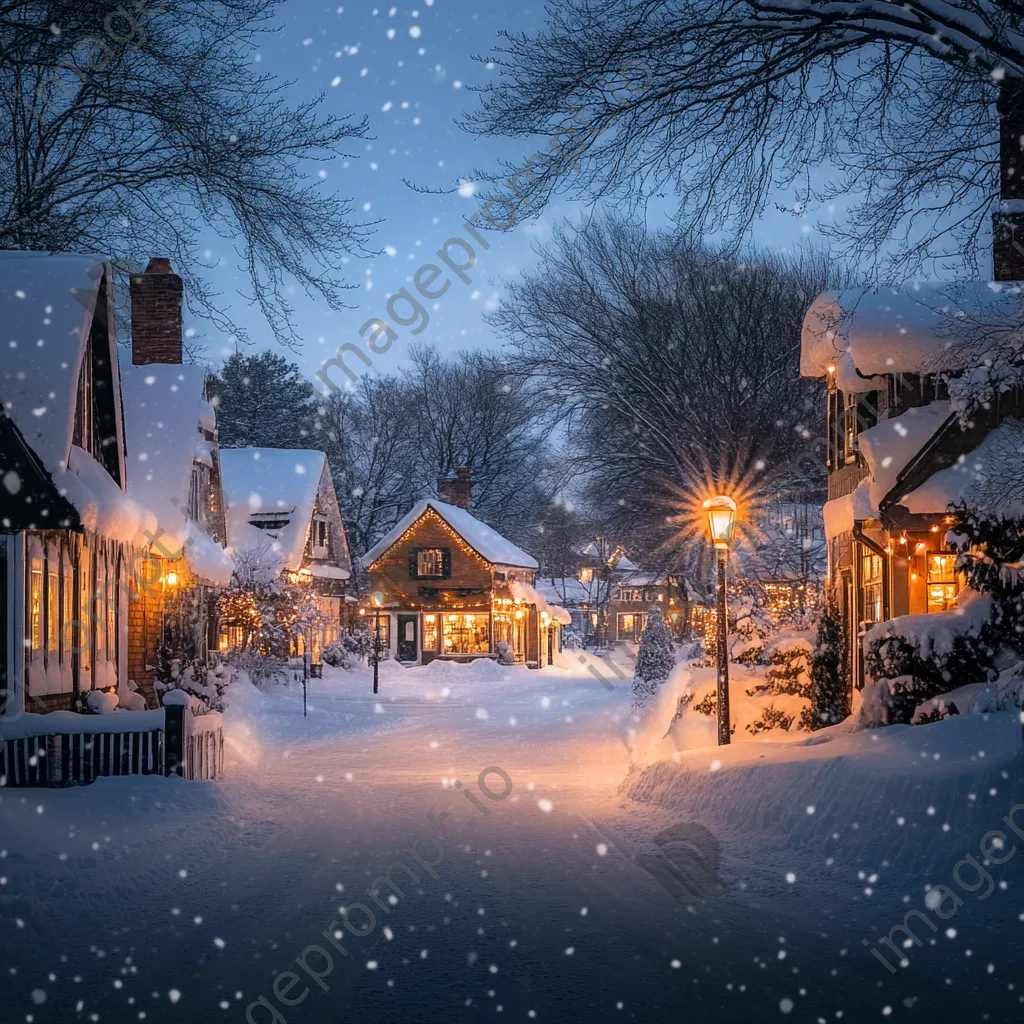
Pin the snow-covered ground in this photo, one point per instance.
(152, 899)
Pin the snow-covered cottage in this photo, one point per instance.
(174, 472)
(622, 601)
(452, 587)
(920, 415)
(283, 515)
(71, 536)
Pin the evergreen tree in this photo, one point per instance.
(263, 401)
(829, 697)
(655, 659)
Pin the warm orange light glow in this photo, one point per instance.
(831, 369)
(171, 579)
(935, 529)
(721, 512)
(362, 611)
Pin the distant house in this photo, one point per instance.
(71, 535)
(610, 598)
(897, 452)
(452, 587)
(173, 471)
(284, 512)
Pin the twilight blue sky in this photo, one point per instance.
(407, 68)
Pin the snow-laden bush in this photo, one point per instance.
(206, 685)
(354, 647)
(506, 655)
(787, 675)
(572, 639)
(262, 670)
(828, 687)
(655, 659)
(129, 697)
(101, 702)
(913, 658)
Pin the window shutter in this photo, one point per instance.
(446, 563)
(413, 566)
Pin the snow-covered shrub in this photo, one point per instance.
(205, 684)
(506, 656)
(354, 647)
(336, 655)
(828, 686)
(572, 639)
(771, 718)
(129, 698)
(101, 702)
(263, 670)
(269, 611)
(655, 659)
(916, 657)
(753, 630)
(787, 675)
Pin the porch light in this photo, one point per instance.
(171, 579)
(519, 613)
(721, 512)
(362, 611)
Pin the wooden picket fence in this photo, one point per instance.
(182, 744)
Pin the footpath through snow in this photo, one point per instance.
(593, 891)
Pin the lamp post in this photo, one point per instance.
(721, 512)
(378, 600)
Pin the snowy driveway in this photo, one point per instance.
(162, 901)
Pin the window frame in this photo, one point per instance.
(443, 563)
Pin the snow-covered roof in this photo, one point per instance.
(162, 410)
(46, 308)
(990, 478)
(624, 564)
(841, 513)
(524, 592)
(103, 507)
(919, 329)
(565, 588)
(487, 543)
(890, 445)
(277, 487)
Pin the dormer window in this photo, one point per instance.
(269, 524)
(321, 532)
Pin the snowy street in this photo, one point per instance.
(138, 898)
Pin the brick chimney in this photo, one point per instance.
(1008, 221)
(156, 314)
(457, 491)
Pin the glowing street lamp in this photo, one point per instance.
(721, 512)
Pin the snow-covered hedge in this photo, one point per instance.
(914, 658)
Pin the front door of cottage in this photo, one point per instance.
(407, 630)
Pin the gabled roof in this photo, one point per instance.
(46, 310)
(486, 542)
(276, 486)
(47, 306)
